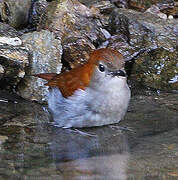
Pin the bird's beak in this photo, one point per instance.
(118, 73)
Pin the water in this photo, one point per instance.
(142, 146)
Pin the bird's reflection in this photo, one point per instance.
(104, 156)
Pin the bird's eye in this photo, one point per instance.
(101, 68)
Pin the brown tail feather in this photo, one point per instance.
(46, 76)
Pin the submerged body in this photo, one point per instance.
(101, 99)
(90, 107)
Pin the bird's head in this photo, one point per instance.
(108, 64)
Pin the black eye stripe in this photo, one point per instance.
(101, 68)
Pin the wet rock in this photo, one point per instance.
(15, 13)
(9, 35)
(13, 57)
(13, 60)
(3, 139)
(156, 113)
(120, 42)
(76, 51)
(16, 112)
(155, 10)
(1, 71)
(71, 18)
(37, 9)
(46, 54)
(142, 5)
(168, 7)
(8, 31)
(157, 69)
(139, 33)
(162, 146)
(89, 3)
(143, 30)
(11, 41)
(104, 7)
(121, 3)
(68, 18)
(170, 10)
(11, 97)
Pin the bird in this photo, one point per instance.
(92, 94)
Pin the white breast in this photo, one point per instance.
(92, 107)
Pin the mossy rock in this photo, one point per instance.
(157, 69)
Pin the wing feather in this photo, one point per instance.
(69, 82)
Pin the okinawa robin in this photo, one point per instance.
(92, 94)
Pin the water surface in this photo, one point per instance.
(142, 146)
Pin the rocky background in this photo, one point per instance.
(38, 36)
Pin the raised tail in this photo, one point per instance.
(46, 76)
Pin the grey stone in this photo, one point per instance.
(71, 19)
(15, 13)
(139, 37)
(46, 54)
(14, 61)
